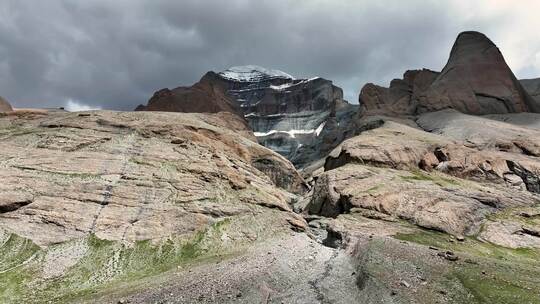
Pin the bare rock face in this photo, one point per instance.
(429, 200)
(206, 96)
(447, 171)
(302, 119)
(402, 95)
(5, 106)
(462, 145)
(476, 80)
(134, 176)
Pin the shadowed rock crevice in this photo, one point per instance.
(531, 180)
(12, 201)
(334, 239)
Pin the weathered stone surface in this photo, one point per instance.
(464, 84)
(510, 234)
(407, 169)
(432, 201)
(12, 201)
(494, 149)
(133, 176)
(394, 144)
(458, 144)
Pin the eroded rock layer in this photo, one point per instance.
(132, 176)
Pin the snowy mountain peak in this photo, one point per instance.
(252, 73)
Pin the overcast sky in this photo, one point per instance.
(115, 54)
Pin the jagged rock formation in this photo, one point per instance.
(206, 96)
(302, 119)
(476, 80)
(401, 98)
(4, 105)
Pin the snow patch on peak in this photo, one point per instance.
(252, 73)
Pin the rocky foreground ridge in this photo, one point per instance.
(429, 192)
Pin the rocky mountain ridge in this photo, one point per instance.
(302, 119)
(463, 85)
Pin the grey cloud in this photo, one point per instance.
(115, 54)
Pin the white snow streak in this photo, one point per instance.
(292, 133)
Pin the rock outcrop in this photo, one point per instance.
(302, 119)
(447, 171)
(475, 80)
(5, 106)
(401, 98)
(132, 176)
(206, 96)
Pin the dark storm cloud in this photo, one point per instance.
(115, 54)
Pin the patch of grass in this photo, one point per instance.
(437, 178)
(416, 175)
(374, 189)
(499, 284)
(471, 246)
(491, 273)
(512, 214)
(106, 265)
(15, 254)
